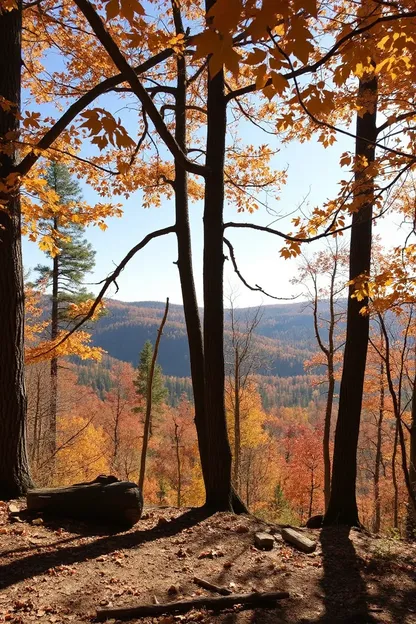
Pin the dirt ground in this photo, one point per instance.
(58, 572)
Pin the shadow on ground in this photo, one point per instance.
(38, 563)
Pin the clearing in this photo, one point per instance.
(58, 572)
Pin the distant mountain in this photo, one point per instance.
(284, 335)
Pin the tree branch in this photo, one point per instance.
(110, 279)
(77, 107)
(130, 76)
(256, 288)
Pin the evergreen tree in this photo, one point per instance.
(66, 272)
(159, 391)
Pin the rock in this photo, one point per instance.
(174, 589)
(265, 541)
(315, 522)
(37, 522)
(13, 509)
(241, 528)
(298, 540)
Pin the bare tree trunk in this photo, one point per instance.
(377, 501)
(191, 311)
(148, 415)
(342, 508)
(237, 424)
(219, 481)
(411, 511)
(178, 465)
(183, 234)
(14, 470)
(54, 361)
(394, 479)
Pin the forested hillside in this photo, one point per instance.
(284, 335)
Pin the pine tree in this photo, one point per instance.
(66, 273)
(159, 390)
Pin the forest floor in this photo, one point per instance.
(58, 572)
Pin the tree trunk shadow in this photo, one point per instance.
(344, 590)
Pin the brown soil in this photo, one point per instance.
(59, 572)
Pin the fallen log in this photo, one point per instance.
(103, 501)
(182, 606)
(224, 591)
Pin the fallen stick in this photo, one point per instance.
(224, 591)
(182, 606)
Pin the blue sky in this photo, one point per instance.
(152, 274)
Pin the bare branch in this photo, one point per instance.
(256, 287)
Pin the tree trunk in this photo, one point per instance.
(149, 400)
(342, 508)
(178, 465)
(54, 361)
(394, 479)
(14, 470)
(183, 234)
(377, 501)
(218, 484)
(411, 512)
(327, 432)
(237, 424)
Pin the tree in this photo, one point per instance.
(328, 265)
(72, 258)
(14, 469)
(142, 380)
(149, 376)
(243, 362)
(342, 506)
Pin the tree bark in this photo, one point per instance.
(103, 501)
(377, 501)
(218, 485)
(186, 275)
(342, 508)
(237, 424)
(411, 512)
(14, 470)
(54, 361)
(148, 416)
(178, 465)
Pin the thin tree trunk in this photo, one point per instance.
(377, 501)
(342, 508)
(327, 432)
(394, 479)
(14, 470)
(218, 484)
(183, 234)
(411, 512)
(54, 361)
(178, 465)
(237, 424)
(190, 304)
(149, 399)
